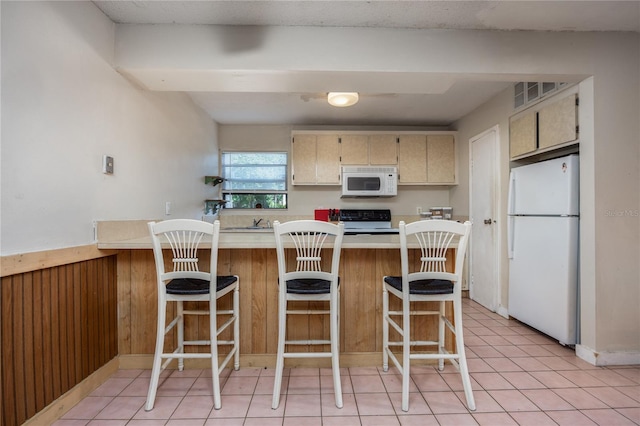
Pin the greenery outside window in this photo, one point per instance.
(254, 180)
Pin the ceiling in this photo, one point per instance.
(307, 107)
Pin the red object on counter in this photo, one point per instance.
(322, 214)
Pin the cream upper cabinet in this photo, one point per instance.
(354, 149)
(383, 150)
(303, 159)
(523, 135)
(441, 159)
(328, 168)
(315, 159)
(550, 125)
(427, 158)
(367, 150)
(557, 123)
(412, 159)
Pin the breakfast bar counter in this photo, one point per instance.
(365, 259)
(261, 239)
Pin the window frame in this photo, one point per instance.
(256, 192)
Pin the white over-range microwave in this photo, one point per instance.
(369, 181)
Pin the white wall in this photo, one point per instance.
(63, 107)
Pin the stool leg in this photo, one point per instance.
(180, 326)
(282, 326)
(441, 334)
(157, 356)
(462, 360)
(335, 350)
(406, 354)
(236, 327)
(385, 328)
(215, 373)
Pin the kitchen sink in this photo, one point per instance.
(247, 229)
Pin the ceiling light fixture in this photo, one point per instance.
(342, 99)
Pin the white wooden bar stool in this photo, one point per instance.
(186, 283)
(309, 276)
(426, 280)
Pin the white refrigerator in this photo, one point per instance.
(543, 233)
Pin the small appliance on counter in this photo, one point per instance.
(367, 221)
(326, 215)
(445, 213)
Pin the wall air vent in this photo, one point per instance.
(528, 92)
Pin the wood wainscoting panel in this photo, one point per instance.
(59, 325)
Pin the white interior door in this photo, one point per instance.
(483, 260)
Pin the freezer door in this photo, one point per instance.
(546, 188)
(543, 275)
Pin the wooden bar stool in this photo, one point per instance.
(427, 280)
(311, 276)
(186, 283)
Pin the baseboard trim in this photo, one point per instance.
(502, 311)
(64, 403)
(601, 359)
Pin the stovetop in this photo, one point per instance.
(367, 221)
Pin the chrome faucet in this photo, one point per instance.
(256, 222)
(268, 223)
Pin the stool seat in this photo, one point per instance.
(309, 286)
(422, 286)
(197, 286)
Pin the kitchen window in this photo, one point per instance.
(254, 180)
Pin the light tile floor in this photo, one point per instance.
(519, 377)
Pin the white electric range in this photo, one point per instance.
(367, 221)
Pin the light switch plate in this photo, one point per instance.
(107, 165)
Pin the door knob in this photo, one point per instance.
(488, 221)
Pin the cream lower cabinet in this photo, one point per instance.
(315, 159)
(426, 159)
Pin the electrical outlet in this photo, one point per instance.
(418, 210)
(167, 208)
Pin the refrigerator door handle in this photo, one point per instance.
(510, 236)
(510, 211)
(511, 200)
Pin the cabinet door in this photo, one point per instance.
(328, 159)
(303, 160)
(412, 159)
(383, 150)
(557, 122)
(523, 135)
(354, 149)
(441, 159)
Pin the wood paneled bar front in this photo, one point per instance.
(365, 259)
